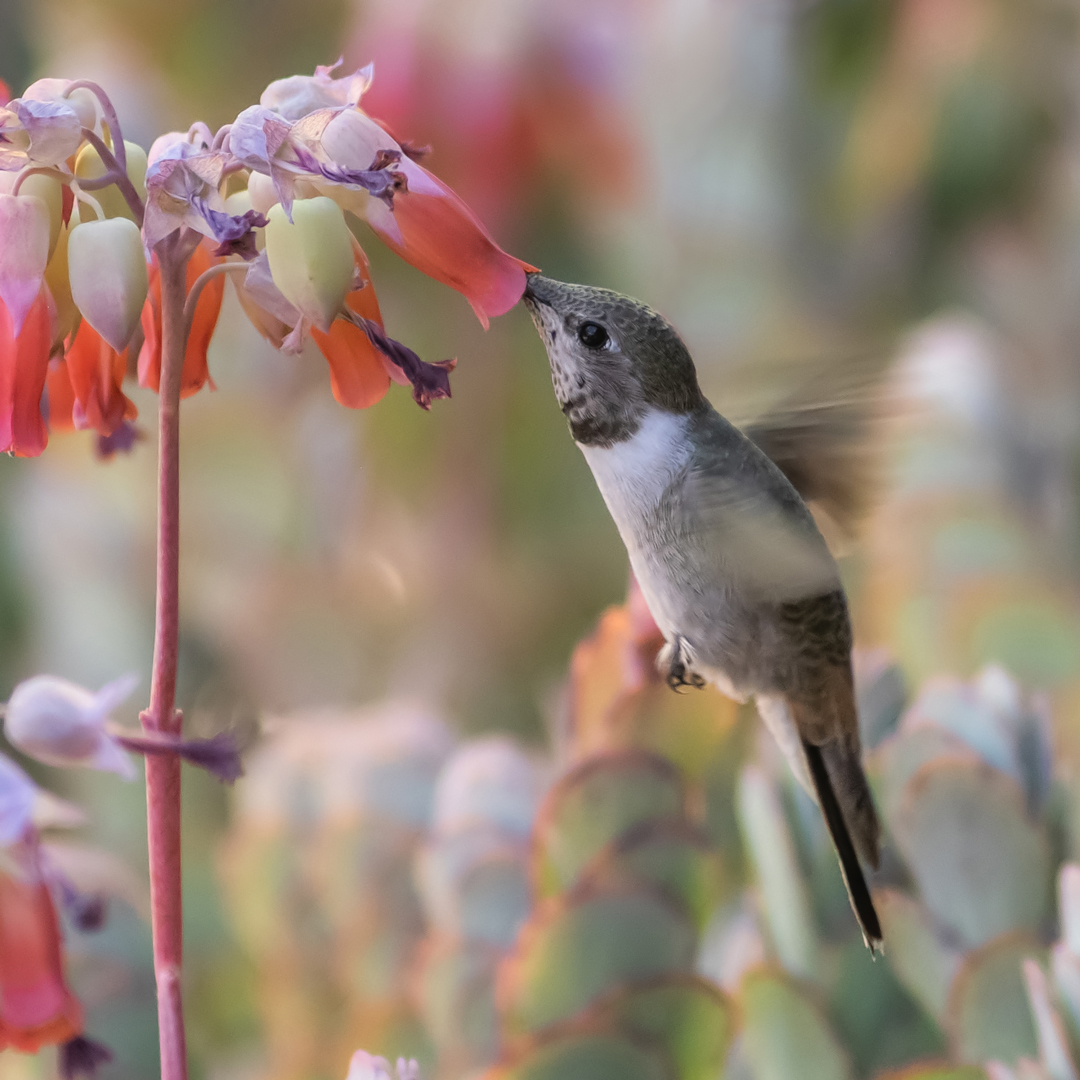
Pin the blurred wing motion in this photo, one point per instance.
(825, 437)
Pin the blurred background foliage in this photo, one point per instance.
(794, 183)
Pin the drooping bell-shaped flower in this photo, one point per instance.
(299, 95)
(38, 133)
(60, 723)
(37, 1007)
(311, 258)
(24, 364)
(195, 373)
(360, 373)
(183, 187)
(82, 100)
(341, 152)
(107, 271)
(24, 253)
(95, 371)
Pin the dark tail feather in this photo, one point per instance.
(858, 892)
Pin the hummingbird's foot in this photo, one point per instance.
(679, 673)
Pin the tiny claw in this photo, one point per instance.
(678, 674)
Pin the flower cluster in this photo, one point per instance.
(37, 1007)
(85, 218)
(62, 724)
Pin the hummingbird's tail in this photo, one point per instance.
(825, 763)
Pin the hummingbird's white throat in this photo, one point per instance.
(633, 474)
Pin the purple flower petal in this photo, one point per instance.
(429, 381)
(121, 441)
(234, 232)
(82, 1057)
(219, 755)
(379, 180)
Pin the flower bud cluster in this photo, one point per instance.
(84, 216)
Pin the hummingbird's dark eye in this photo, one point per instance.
(592, 335)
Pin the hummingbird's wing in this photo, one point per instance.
(749, 524)
(823, 432)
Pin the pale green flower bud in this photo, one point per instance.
(311, 259)
(107, 271)
(51, 192)
(89, 166)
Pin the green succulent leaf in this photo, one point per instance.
(672, 855)
(585, 1057)
(786, 1036)
(981, 865)
(687, 1017)
(922, 962)
(780, 878)
(989, 1016)
(579, 947)
(596, 803)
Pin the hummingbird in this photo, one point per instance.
(727, 554)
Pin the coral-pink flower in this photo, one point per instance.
(340, 151)
(24, 254)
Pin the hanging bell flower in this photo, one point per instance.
(311, 258)
(24, 253)
(109, 282)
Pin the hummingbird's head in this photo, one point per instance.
(612, 359)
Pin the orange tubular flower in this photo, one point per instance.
(96, 372)
(359, 372)
(36, 1006)
(61, 396)
(196, 373)
(24, 363)
(433, 229)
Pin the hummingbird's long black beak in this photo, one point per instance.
(534, 289)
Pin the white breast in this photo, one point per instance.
(632, 475)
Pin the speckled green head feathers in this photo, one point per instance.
(612, 359)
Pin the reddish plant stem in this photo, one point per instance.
(163, 770)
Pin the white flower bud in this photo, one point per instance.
(107, 271)
(263, 193)
(311, 259)
(364, 1066)
(60, 723)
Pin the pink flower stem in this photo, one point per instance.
(163, 770)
